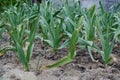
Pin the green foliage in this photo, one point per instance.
(72, 44)
(89, 26)
(60, 27)
(51, 29)
(71, 54)
(105, 26)
(17, 21)
(4, 4)
(106, 43)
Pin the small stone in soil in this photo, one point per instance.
(12, 76)
(111, 77)
(114, 71)
(81, 68)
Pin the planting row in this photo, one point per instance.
(64, 26)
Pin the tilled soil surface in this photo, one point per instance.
(82, 68)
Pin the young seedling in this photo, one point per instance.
(17, 21)
(89, 25)
(72, 46)
(71, 54)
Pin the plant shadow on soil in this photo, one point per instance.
(82, 68)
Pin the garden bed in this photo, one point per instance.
(69, 42)
(82, 67)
